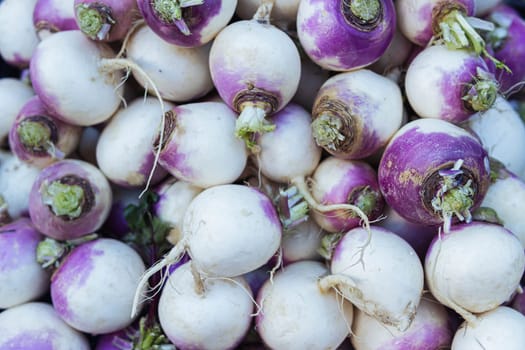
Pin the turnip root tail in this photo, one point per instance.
(347, 287)
(130, 32)
(263, 12)
(110, 64)
(301, 185)
(169, 259)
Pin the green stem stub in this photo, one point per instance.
(252, 121)
(328, 244)
(170, 11)
(292, 207)
(454, 197)
(34, 135)
(365, 10)
(482, 92)
(49, 252)
(63, 199)
(327, 131)
(366, 199)
(95, 20)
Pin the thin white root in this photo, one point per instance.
(301, 185)
(130, 32)
(278, 264)
(328, 282)
(244, 289)
(110, 64)
(142, 290)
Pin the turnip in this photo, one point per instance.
(433, 172)
(174, 198)
(345, 35)
(210, 314)
(238, 218)
(502, 328)
(302, 242)
(179, 73)
(187, 23)
(505, 196)
(69, 199)
(67, 58)
(18, 40)
(256, 68)
(450, 22)
(124, 147)
(37, 138)
(16, 181)
(506, 40)
(356, 113)
(106, 20)
(84, 290)
(338, 181)
(51, 16)
(385, 280)
(428, 331)
(14, 93)
(449, 84)
(284, 12)
(36, 325)
(22, 278)
(297, 314)
(474, 280)
(199, 144)
(501, 132)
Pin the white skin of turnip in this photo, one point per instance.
(100, 299)
(502, 134)
(381, 275)
(180, 74)
(297, 314)
(210, 314)
(228, 230)
(428, 331)
(506, 196)
(474, 268)
(68, 76)
(175, 197)
(19, 38)
(16, 181)
(501, 328)
(37, 324)
(290, 150)
(14, 93)
(124, 147)
(202, 148)
(302, 242)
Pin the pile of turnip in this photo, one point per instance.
(262, 174)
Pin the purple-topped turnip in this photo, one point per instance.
(69, 199)
(214, 313)
(67, 58)
(345, 35)
(124, 147)
(449, 84)
(106, 20)
(506, 40)
(433, 172)
(51, 16)
(379, 273)
(297, 314)
(84, 291)
(338, 181)
(14, 93)
(302, 242)
(474, 268)
(428, 331)
(256, 68)
(22, 278)
(356, 113)
(450, 22)
(36, 325)
(37, 138)
(187, 23)
(199, 145)
(179, 73)
(228, 230)
(19, 39)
